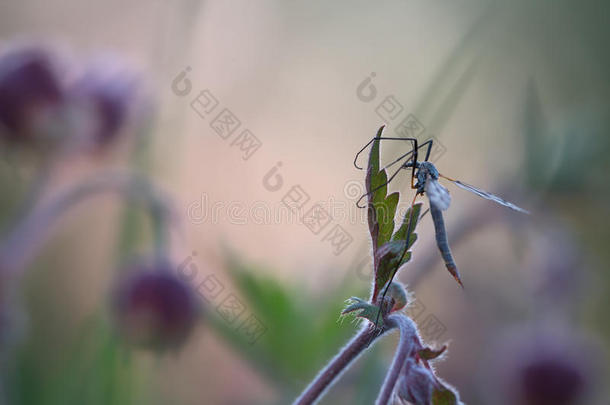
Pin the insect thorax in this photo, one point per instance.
(424, 169)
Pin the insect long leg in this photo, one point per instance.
(401, 158)
(383, 138)
(378, 187)
(398, 159)
(429, 143)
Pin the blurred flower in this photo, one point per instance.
(154, 308)
(539, 366)
(91, 109)
(106, 94)
(549, 379)
(30, 89)
(558, 270)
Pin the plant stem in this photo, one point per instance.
(337, 365)
(22, 243)
(408, 335)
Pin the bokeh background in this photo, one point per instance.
(516, 95)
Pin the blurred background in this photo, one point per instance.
(228, 132)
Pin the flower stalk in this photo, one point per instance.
(316, 389)
(405, 349)
(26, 238)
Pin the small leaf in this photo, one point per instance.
(385, 217)
(374, 179)
(444, 395)
(365, 310)
(428, 353)
(390, 249)
(381, 207)
(378, 183)
(386, 259)
(373, 165)
(401, 233)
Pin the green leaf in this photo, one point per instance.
(401, 233)
(387, 258)
(293, 318)
(363, 309)
(443, 395)
(385, 217)
(388, 247)
(388, 255)
(377, 192)
(427, 353)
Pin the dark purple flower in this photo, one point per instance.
(29, 87)
(549, 379)
(154, 308)
(542, 366)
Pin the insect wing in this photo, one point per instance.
(488, 196)
(437, 194)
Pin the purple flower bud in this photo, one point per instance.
(399, 295)
(551, 380)
(416, 384)
(154, 308)
(29, 88)
(106, 94)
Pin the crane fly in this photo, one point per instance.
(425, 180)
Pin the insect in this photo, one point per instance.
(425, 180)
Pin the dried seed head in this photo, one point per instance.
(154, 308)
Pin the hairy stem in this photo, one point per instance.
(408, 336)
(316, 389)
